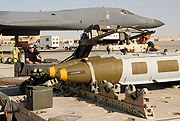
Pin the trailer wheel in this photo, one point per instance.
(70, 48)
(54, 47)
(47, 46)
(2, 60)
(9, 60)
(15, 60)
(41, 47)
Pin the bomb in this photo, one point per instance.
(52, 70)
(109, 69)
(123, 69)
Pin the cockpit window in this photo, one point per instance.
(126, 12)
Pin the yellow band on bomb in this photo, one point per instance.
(63, 73)
(52, 72)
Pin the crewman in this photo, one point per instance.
(144, 40)
(31, 54)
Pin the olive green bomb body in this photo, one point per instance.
(54, 69)
(109, 69)
(144, 68)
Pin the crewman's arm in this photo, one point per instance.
(27, 58)
(28, 61)
(41, 58)
(39, 55)
(155, 48)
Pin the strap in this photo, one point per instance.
(94, 81)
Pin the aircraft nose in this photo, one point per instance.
(157, 23)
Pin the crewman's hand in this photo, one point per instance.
(42, 59)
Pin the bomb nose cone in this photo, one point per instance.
(51, 72)
(61, 74)
(157, 23)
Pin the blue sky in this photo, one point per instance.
(167, 11)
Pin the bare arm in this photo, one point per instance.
(28, 61)
(155, 48)
(41, 58)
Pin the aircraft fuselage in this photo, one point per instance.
(75, 19)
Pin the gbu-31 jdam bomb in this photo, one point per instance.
(52, 70)
(81, 73)
(124, 69)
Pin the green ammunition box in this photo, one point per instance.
(39, 97)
